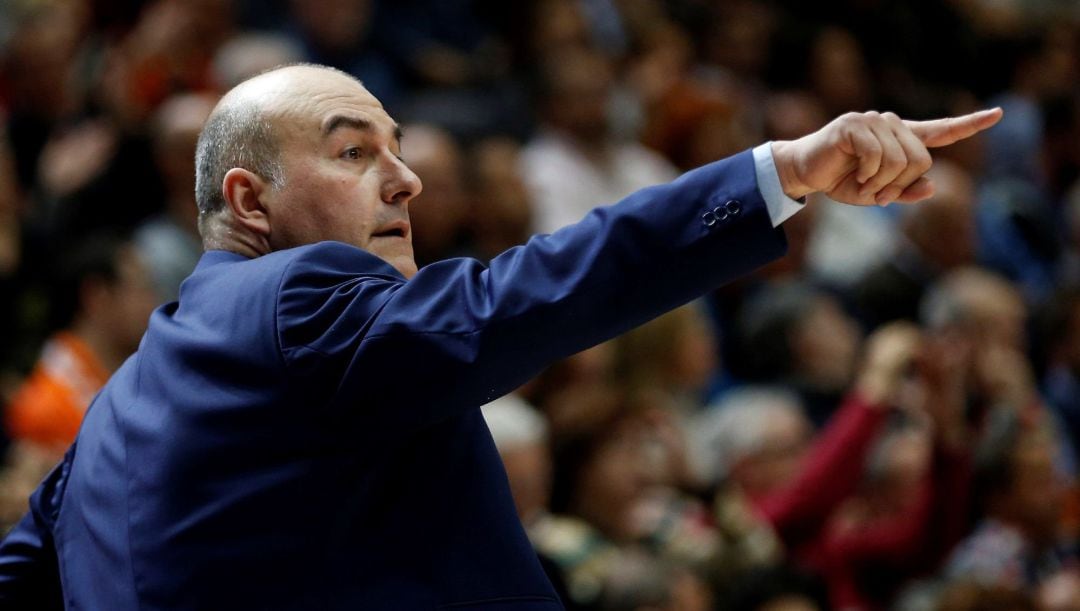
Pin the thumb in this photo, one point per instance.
(943, 132)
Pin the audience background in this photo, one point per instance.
(889, 417)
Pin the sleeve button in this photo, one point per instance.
(733, 207)
(709, 218)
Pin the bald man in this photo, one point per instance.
(300, 430)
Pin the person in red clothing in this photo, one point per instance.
(794, 482)
(105, 300)
(914, 502)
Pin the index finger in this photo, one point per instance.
(943, 132)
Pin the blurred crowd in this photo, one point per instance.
(889, 417)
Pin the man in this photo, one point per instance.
(300, 430)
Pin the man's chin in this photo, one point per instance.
(404, 264)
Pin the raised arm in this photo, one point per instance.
(458, 334)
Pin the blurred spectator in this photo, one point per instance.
(579, 393)
(669, 362)
(438, 215)
(608, 480)
(936, 236)
(979, 304)
(1018, 235)
(801, 337)
(1017, 544)
(796, 483)
(40, 91)
(455, 63)
(501, 211)
(692, 117)
(521, 436)
(247, 55)
(838, 72)
(574, 163)
(1060, 327)
(637, 581)
(339, 34)
(104, 300)
(170, 242)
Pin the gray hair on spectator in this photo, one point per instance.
(736, 427)
(949, 301)
(514, 423)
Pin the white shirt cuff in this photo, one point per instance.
(780, 206)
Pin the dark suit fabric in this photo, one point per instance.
(299, 430)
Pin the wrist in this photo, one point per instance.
(784, 160)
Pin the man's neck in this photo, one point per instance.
(222, 234)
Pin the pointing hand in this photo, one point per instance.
(871, 158)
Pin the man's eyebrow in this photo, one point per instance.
(339, 121)
(347, 121)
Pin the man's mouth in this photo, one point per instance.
(399, 229)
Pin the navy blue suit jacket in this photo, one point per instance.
(300, 430)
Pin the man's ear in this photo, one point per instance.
(244, 191)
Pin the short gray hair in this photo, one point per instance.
(237, 135)
(736, 427)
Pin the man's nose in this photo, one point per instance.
(403, 184)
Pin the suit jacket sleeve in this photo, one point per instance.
(459, 334)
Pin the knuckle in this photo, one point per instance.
(891, 117)
(896, 160)
(852, 118)
(923, 161)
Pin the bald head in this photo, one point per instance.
(243, 131)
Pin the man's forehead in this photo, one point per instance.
(310, 94)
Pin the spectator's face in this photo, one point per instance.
(501, 211)
(838, 71)
(178, 126)
(943, 227)
(343, 176)
(333, 25)
(612, 482)
(582, 88)
(124, 306)
(776, 461)
(825, 345)
(437, 215)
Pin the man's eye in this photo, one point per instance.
(352, 153)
